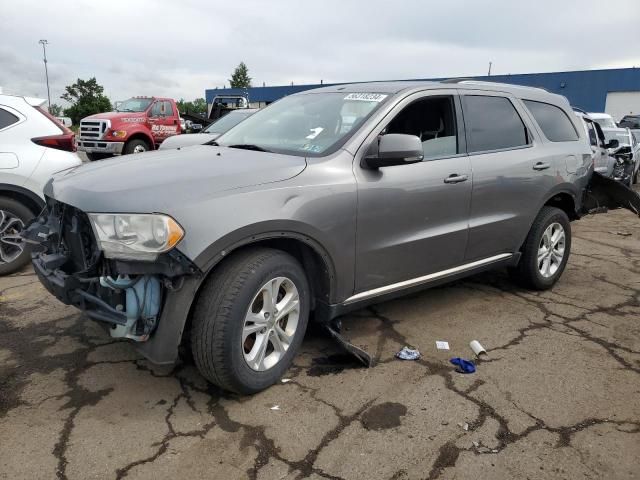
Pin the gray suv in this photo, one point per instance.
(323, 202)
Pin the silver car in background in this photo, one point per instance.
(209, 134)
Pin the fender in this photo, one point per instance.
(268, 230)
(162, 346)
(33, 197)
(135, 129)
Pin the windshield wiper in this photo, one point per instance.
(248, 146)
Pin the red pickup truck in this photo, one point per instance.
(137, 125)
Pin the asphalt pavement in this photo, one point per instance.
(557, 397)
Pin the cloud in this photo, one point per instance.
(181, 48)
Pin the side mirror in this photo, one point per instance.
(613, 143)
(395, 149)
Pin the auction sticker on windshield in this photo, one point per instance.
(366, 97)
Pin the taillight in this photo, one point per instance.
(61, 142)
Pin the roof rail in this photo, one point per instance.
(579, 110)
(471, 81)
(456, 80)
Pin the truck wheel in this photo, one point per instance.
(250, 319)
(135, 146)
(14, 253)
(97, 156)
(545, 251)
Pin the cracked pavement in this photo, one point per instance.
(558, 395)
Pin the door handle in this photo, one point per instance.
(541, 166)
(455, 178)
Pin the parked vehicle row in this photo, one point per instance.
(325, 201)
(616, 149)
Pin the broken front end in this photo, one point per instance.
(603, 194)
(121, 269)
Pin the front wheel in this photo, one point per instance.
(135, 146)
(545, 251)
(250, 319)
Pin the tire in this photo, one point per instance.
(528, 272)
(14, 216)
(222, 312)
(135, 146)
(97, 156)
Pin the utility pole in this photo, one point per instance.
(489, 74)
(46, 71)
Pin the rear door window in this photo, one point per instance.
(7, 119)
(554, 123)
(492, 123)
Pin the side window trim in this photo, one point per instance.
(525, 121)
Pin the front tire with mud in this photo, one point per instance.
(545, 251)
(249, 320)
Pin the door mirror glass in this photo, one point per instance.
(395, 149)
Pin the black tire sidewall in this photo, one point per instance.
(21, 211)
(551, 215)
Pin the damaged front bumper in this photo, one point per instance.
(147, 302)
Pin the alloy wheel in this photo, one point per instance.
(11, 244)
(551, 250)
(270, 323)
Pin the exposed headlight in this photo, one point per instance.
(119, 133)
(135, 236)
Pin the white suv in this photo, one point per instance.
(33, 146)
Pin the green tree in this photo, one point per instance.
(55, 110)
(240, 77)
(86, 98)
(198, 106)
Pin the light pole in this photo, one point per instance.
(46, 71)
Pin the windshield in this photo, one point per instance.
(225, 123)
(606, 122)
(134, 105)
(310, 124)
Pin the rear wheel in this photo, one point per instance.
(545, 251)
(250, 319)
(14, 253)
(135, 146)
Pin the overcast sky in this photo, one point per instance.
(178, 48)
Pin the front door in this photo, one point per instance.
(413, 219)
(162, 121)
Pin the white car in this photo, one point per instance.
(33, 146)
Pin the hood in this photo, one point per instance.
(115, 115)
(188, 140)
(155, 181)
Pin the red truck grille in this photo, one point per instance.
(93, 129)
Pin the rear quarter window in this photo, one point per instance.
(553, 121)
(7, 119)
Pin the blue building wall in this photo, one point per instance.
(586, 89)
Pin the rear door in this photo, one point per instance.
(510, 176)
(412, 219)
